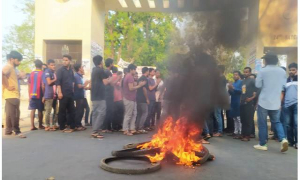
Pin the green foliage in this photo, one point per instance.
(142, 38)
(21, 37)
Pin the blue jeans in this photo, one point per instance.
(291, 123)
(218, 117)
(205, 129)
(263, 127)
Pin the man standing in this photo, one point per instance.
(65, 89)
(35, 89)
(118, 101)
(247, 104)
(290, 105)
(218, 110)
(79, 95)
(11, 93)
(99, 80)
(49, 80)
(109, 97)
(235, 91)
(142, 102)
(129, 99)
(151, 96)
(271, 80)
(159, 93)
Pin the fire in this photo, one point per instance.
(177, 138)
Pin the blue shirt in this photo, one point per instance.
(235, 98)
(291, 92)
(49, 94)
(271, 79)
(78, 92)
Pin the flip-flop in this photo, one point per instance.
(96, 135)
(21, 135)
(33, 129)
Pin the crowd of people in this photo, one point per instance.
(270, 93)
(133, 104)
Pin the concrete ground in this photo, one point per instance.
(76, 156)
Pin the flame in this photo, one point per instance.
(176, 138)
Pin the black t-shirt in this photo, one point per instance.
(109, 89)
(65, 79)
(140, 97)
(248, 88)
(98, 88)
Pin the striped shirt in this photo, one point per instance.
(291, 92)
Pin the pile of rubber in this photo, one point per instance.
(131, 152)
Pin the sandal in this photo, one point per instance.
(68, 130)
(33, 129)
(47, 129)
(128, 133)
(20, 135)
(97, 135)
(52, 129)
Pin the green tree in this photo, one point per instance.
(142, 38)
(21, 37)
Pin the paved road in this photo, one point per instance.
(76, 156)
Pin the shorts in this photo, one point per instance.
(36, 104)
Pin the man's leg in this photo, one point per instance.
(15, 115)
(274, 116)
(288, 121)
(243, 113)
(148, 122)
(87, 111)
(246, 119)
(129, 107)
(71, 112)
(8, 116)
(32, 116)
(139, 115)
(79, 112)
(120, 114)
(48, 108)
(295, 118)
(144, 109)
(62, 113)
(40, 115)
(98, 113)
(158, 112)
(218, 117)
(262, 125)
(133, 118)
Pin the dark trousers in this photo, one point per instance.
(66, 107)
(118, 115)
(109, 115)
(247, 118)
(290, 115)
(12, 106)
(150, 118)
(210, 123)
(80, 106)
(157, 112)
(253, 125)
(230, 123)
(87, 111)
